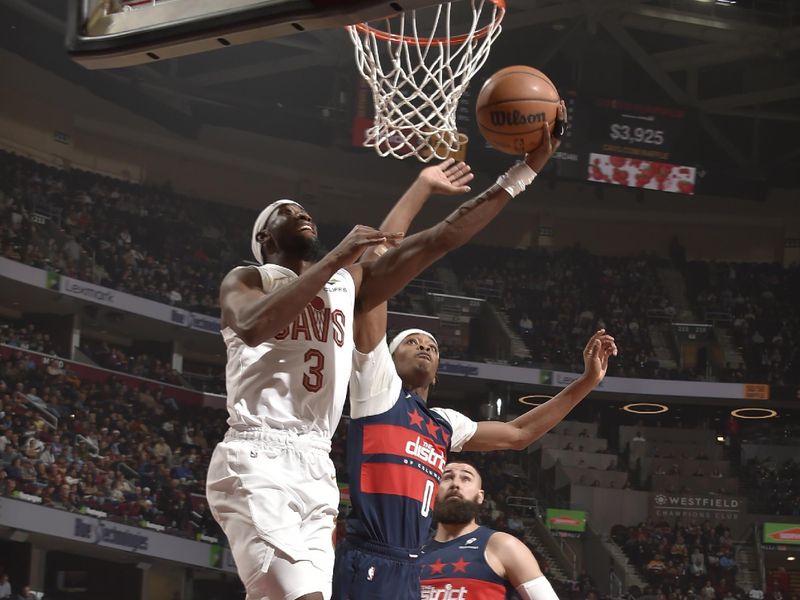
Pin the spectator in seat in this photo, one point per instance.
(161, 449)
(697, 564)
(708, 592)
(515, 524)
(8, 487)
(655, 567)
(14, 470)
(24, 593)
(183, 471)
(727, 563)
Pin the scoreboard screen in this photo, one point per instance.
(638, 130)
(623, 143)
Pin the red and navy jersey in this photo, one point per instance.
(457, 570)
(395, 461)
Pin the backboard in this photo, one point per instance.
(104, 34)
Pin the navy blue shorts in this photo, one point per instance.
(368, 571)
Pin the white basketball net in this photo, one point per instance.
(417, 78)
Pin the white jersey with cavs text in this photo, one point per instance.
(297, 381)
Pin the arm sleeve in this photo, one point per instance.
(463, 427)
(537, 589)
(374, 384)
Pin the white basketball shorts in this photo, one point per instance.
(275, 496)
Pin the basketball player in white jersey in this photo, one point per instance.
(288, 327)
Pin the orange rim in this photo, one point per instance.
(459, 39)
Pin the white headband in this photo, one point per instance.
(261, 220)
(398, 339)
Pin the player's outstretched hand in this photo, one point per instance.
(600, 347)
(357, 241)
(449, 178)
(538, 158)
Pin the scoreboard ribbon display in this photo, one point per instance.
(632, 129)
(624, 143)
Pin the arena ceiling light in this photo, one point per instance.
(645, 408)
(754, 413)
(534, 399)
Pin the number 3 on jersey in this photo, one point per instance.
(427, 498)
(312, 380)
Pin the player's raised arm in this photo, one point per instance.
(388, 275)
(449, 178)
(526, 429)
(257, 316)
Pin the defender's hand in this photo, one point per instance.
(448, 178)
(596, 354)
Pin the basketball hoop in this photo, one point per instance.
(417, 80)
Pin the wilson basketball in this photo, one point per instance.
(513, 106)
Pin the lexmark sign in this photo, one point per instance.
(96, 293)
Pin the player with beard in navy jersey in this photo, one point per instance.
(465, 561)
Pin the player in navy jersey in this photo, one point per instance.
(397, 447)
(465, 561)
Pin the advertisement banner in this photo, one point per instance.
(566, 520)
(782, 533)
(97, 294)
(622, 385)
(638, 173)
(756, 391)
(86, 529)
(135, 304)
(698, 506)
(195, 320)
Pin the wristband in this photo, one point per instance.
(517, 178)
(537, 589)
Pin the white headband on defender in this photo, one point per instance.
(261, 220)
(398, 339)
